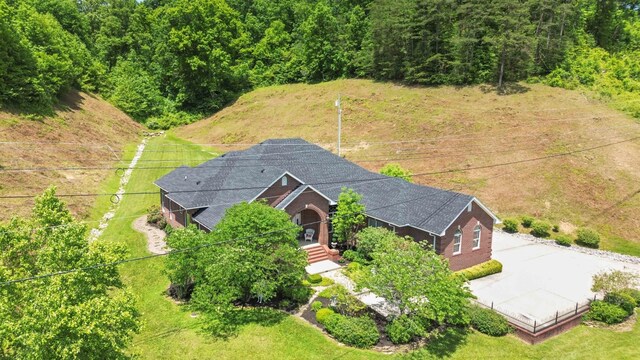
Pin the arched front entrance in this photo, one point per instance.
(311, 217)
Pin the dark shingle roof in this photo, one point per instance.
(242, 175)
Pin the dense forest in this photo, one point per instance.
(168, 62)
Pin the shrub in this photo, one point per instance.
(481, 270)
(332, 290)
(360, 332)
(564, 240)
(588, 238)
(624, 301)
(404, 329)
(510, 225)
(527, 221)
(354, 266)
(286, 304)
(154, 216)
(606, 313)
(540, 229)
(314, 278)
(349, 255)
(326, 282)
(634, 293)
(323, 314)
(315, 306)
(488, 321)
(370, 239)
(556, 228)
(298, 294)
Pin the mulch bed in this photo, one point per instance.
(384, 344)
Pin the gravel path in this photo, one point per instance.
(124, 180)
(155, 236)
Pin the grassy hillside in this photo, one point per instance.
(436, 129)
(84, 132)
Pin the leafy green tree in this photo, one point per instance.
(349, 216)
(83, 314)
(418, 282)
(321, 53)
(134, 90)
(183, 268)
(272, 54)
(395, 170)
(252, 256)
(199, 56)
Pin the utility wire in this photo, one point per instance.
(195, 248)
(283, 162)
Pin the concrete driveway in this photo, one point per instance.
(538, 279)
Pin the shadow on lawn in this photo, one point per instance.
(227, 325)
(442, 346)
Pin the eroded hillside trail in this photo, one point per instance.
(124, 180)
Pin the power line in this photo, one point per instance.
(280, 162)
(194, 248)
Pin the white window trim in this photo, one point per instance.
(433, 242)
(479, 228)
(459, 244)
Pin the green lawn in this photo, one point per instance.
(169, 332)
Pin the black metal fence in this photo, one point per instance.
(536, 325)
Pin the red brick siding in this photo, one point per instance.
(467, 221)
(418, 235)
(179, 214)
(276, 190)
(312, 201)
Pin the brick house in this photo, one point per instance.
(305, 181)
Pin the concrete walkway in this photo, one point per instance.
(537, 279)
(375, 302)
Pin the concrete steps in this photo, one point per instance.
(316, 253)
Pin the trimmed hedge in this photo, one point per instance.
(625, 301)
(481, 270)
(360, 332)
(606, 313)
(588, 238)
(510, 225)
(488, 321)
(540, 229)
(403, 329)
(323, 314)
(564, 240)
(314, 278)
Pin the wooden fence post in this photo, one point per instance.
(492, 305)
(556, 316)
(535, 322)
(576, 308)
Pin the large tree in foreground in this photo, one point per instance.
(418, 282)
(251, 257)
(85, 314)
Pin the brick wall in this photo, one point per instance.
(311, 200)
(466, 222)
(273, 193)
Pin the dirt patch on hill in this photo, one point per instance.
(86, 132)
(587, 173)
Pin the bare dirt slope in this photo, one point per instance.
(85, 131)
(435, 129)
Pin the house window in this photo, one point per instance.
(469, 207)
(476, 236)
(433, 243)
(373, 222)
(457, 242)
(284, 181)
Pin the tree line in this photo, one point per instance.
(167, 62)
